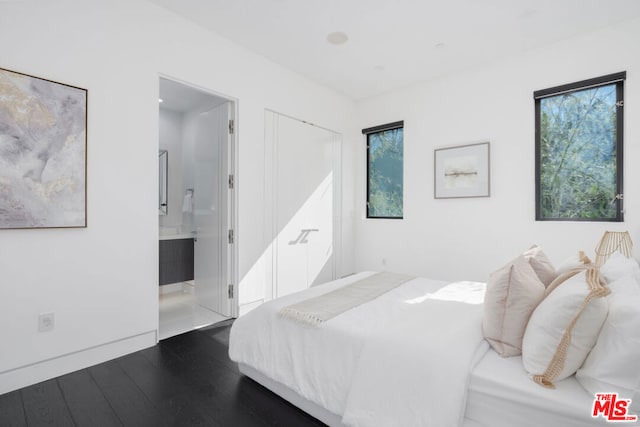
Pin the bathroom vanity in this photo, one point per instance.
(176, 258)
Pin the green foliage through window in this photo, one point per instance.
(579, 153)
(385, 169)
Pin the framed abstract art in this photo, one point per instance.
(43, 153)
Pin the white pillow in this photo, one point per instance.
(580, 260)
(564, 328)
(618, 266)
(614, 363)
(513, 292)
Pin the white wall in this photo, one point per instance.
(101, 282)
(469, 238)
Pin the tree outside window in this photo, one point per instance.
(579, 151)
(385, 171)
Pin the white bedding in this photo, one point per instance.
(371, 364)
(414, 370)
(332, 366)
(304, 358)
(502, 395)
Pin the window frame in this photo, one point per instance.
(374, 130)
(609, 79)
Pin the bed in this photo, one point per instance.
(415, 355)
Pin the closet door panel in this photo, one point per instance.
(303, 205)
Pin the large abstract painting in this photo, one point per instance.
(43, 143)
(462, 171)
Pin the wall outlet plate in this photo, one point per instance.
(45, 322)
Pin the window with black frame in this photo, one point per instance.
(385, 170)
(579, 129)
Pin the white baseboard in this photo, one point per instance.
(24, 376)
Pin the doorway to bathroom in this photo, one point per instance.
(196, 207)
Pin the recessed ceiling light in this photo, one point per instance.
(337, 38)
(160, 100)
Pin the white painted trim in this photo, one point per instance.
(233, 160)
(233, 255)
(33, 373)
(337, 200)
(197, 87)
(270, 131)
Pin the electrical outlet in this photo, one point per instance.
(45, 322)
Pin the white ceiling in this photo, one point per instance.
(395, 43)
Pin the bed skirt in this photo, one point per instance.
(311, 408)
(316, 411)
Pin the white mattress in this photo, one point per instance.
(502, 395)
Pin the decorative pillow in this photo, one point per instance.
(578, 261)
(513, 292)
(618, 266)
(612, 365)
(541, 264)
(564, 328)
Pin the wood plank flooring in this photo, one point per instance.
(187, 380)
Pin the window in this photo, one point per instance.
(579, 150)
(384, 170)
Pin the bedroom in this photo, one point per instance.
(107, 306)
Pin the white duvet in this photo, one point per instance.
(402, 359)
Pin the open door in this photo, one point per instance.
(211, 211)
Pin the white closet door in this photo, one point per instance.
(210, 210)
(304, 205)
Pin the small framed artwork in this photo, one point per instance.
(43, 153)
(462, 171)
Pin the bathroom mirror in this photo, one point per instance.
(163, 182)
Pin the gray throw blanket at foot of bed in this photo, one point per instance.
(317, 310)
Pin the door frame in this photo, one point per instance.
(233, 162)
(271, 194)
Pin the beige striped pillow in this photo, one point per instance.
(513, 292)
(565, 326)
(541, 264)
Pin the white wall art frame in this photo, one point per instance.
(462, 171)
(43, 153)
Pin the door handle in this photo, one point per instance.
(302, 237)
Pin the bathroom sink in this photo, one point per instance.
(168, 231)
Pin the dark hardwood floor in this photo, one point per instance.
(187, 380)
